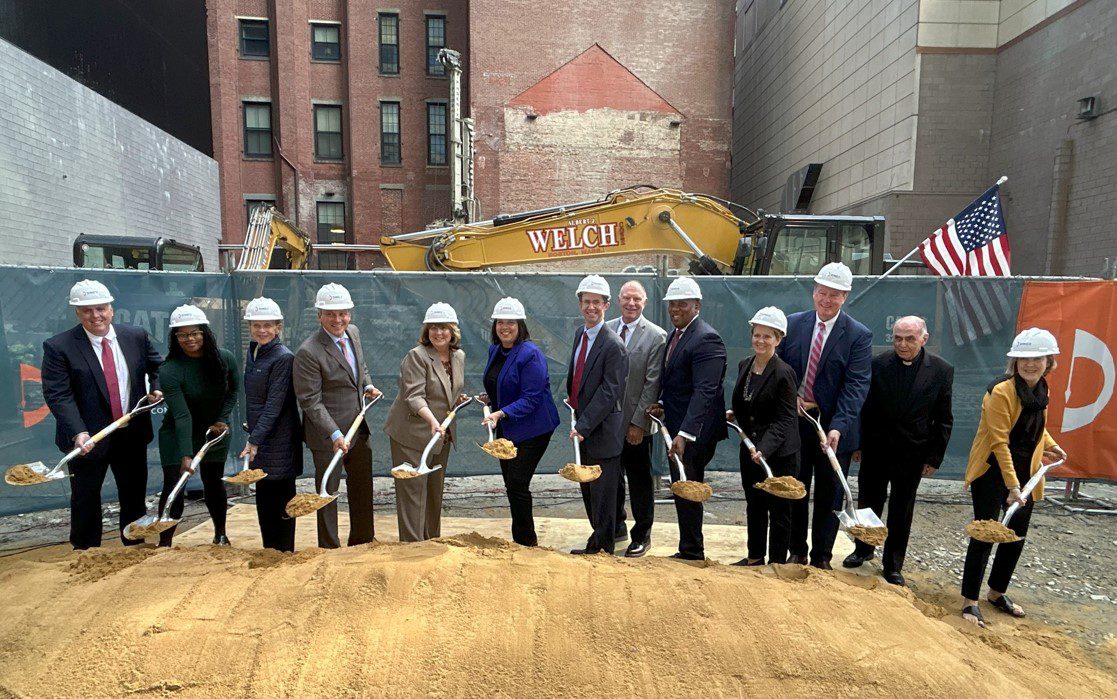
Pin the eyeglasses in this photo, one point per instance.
(190, 335)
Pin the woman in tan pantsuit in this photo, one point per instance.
(430, 379)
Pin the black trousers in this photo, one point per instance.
(768, 517)
(828, 495)
(695, 457)
(600, 499)
(636, 466)
(989, 493)
(213, 487)
(276, 529)
(517, 475)
(127, 458)
(875, 480)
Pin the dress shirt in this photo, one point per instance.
(118, 359)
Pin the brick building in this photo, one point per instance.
(335, 110)
(914, 107)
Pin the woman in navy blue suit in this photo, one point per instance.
(518, 387)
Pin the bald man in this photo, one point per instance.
(905, 427)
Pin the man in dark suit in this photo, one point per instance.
(595, 384)
(330, 377)
(692, 402)
(831, 354)
(93, 374)
(645, 342)
(905, 427)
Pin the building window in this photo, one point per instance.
(331, 229)
(325, 42)
(436, 134)
(257, 130)
(327, 132)
(436, 41)
(254, 39)
(251, 205)
(389, 43)
(389, 133)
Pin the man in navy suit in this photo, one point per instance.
(595, 384)
(831, 354)
(92, 375)
(692, 402)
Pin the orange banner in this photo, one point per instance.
(1082, 416)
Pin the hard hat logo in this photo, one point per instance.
(835, 275)
(89, 293)
(333, 297)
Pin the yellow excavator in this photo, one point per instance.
(644, 219)
(268, 231)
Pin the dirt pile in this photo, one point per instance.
(787, 487)
(991, 531)
(500, 448)
(580, 473)
(305, 503)
(470, 616)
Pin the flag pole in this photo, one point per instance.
(905, 258)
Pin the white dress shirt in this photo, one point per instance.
(117, 358)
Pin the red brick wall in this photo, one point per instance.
(292, 82)
(683, 51)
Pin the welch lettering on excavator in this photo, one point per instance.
(642, 220)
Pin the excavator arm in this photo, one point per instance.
(270, 229)
(626, 222)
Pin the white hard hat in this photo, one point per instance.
(771, 317)
(683, 288)
(1034, 342)
(262, 308)
(509, 308)
(836, 276)
(89, 293)
(441, 313)
(333, 297)
(188, 315)
(594, 284)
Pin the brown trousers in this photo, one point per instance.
(358, 484)
(419, 500)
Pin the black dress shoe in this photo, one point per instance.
(854, 560)
(686, 556)
(620, 535)
(637, 549)
(745, 562)
(797, 560)
(823, 565)
(894, 577)
(585, 552)
(221, 540)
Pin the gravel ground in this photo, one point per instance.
(1067, 576)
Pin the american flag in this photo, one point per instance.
(973, 243)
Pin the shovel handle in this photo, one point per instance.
(435, 437)
(750, 446)
(667, 440)
(573, 427)
(487, 412)
(349, 434)
(1026, 491)
(832, 457)
(109, 429)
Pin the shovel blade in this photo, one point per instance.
(148, 525)
(867, 518)
(32, 474)
(405, 471)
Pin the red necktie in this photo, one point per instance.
(108, 365)
(579, 366)
(812, 364)
(674, 341)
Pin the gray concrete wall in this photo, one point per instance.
(71, 161)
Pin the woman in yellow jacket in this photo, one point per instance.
(1009, 447)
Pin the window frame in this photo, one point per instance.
(246, 129)
(398, 145)
(381, 46)
(242, 24)
(324, 57)
(434, 68)
(325, 239)
(250, 204)
(319, 134)
(445, 135)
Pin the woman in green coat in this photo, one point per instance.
(199, 382)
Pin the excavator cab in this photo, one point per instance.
(800, 244)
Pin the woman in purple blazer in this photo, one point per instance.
(518, 388)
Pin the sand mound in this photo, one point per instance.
(470, 616)
(580, 473)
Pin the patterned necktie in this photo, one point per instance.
(348, 353)
(812, 364)
(579, 366)
(624, 333)
(112, 382)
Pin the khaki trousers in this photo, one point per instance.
(419, 499)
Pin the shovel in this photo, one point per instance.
(150, 524)
(37, 472)
(305, 503)
(863, 524)
(498, 448)
(787, 487)
(994, 532)
(246, 475)
(688, 490)
(576, 471)
(406, 470)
